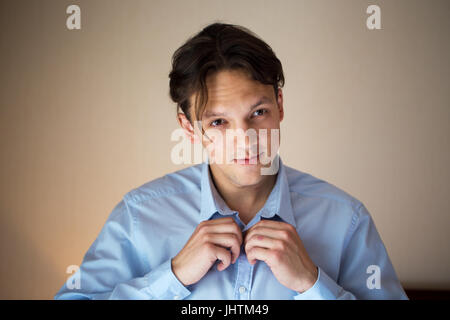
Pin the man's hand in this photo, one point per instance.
(209, 242)
(280, 247)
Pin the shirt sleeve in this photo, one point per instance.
(113, 267)
(366, 271)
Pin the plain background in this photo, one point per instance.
(85, 117)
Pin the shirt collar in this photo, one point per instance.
(278, 203)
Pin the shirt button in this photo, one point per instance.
(241, 290)
(176, 298)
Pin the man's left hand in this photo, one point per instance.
(280, 247)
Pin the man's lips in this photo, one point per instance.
(248, 161)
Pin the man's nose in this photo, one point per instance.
(245, 135)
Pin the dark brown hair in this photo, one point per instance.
(219, 47)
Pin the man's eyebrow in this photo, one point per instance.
(209, 114)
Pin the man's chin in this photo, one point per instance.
(247, 175)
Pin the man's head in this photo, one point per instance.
(227, 79)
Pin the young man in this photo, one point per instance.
(241, 225)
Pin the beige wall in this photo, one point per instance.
(85, 117)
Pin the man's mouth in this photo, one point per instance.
(248, 160)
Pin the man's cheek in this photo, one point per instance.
(214, 146)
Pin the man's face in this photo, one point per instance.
(238, 109)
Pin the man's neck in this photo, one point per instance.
(247, 200)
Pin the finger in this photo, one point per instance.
(258, 240)
(224, 256)
(272, 224)
(281, 234)
(257, 253)
(224, 228)
(219, 220)
(225, 240)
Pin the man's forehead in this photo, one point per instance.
(227, 89)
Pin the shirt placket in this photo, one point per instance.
(244, 277)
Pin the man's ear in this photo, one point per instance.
(187, 127)
(280, 103)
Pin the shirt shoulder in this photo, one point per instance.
(187, 180)
(305, 185)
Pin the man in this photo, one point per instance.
(241, 225)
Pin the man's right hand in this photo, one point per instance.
(209, 242)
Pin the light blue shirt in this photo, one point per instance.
(131, 257)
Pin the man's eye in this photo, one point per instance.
(216, 123)
(260, 112)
